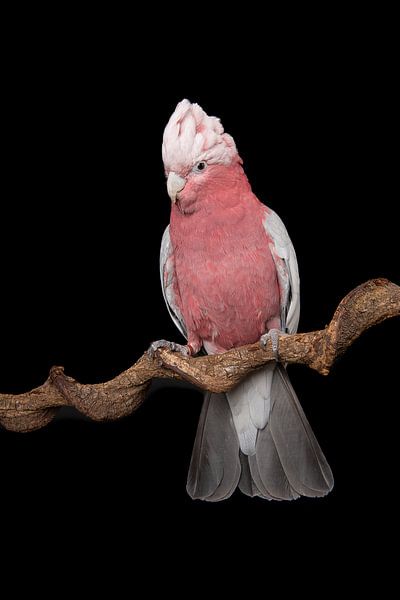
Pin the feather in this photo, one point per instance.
(191, 135)
(284, 256)
(250, 403)
(302, 459)
(267, 471)
(168, 279)
(240, 399)
(215, 467)
(246, 483)
(259, 395)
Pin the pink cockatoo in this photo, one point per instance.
(229, 276)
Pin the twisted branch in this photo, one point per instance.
(367, 305)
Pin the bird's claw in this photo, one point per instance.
(173, 346)
(272, 336)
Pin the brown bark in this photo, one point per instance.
(367, 305)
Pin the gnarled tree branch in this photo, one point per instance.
(367, 305)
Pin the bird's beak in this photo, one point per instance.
(175, 184)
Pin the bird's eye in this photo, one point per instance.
(200, 166)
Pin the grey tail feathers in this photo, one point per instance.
(287, 463)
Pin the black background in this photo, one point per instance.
(83, 209)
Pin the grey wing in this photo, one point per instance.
(215, 467)
(285, 259)
(168, 279)
(289, 461)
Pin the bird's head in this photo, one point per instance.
(197, 155)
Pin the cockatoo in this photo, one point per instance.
(229, 277)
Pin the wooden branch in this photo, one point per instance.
(367, 305)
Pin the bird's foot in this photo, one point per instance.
(184, 350)
(272, 336)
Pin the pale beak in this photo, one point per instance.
(175, 184)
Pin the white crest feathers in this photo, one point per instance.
(191, 136)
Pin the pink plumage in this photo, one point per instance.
(229, 275)
(227, 278)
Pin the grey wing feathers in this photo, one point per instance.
(306, 468)
(288, 462)
(267, 470)
(246, 482)
(287, 269)
(167, 275)
(215, 466)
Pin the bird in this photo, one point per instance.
(229, 277)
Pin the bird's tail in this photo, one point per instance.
(257, 437)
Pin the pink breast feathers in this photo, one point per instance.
(226, 276)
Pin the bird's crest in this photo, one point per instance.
(192, 136)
